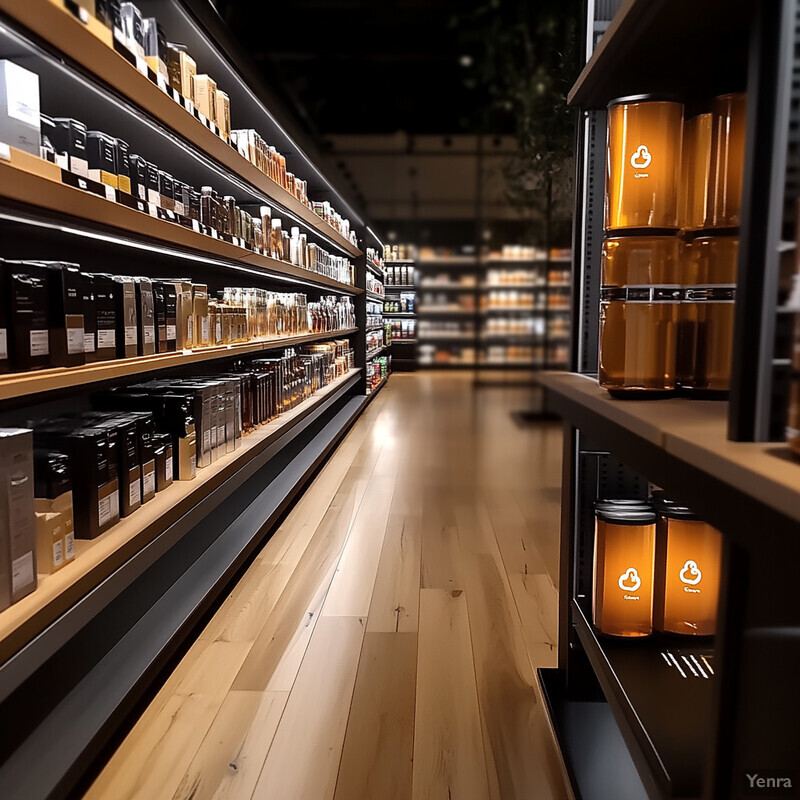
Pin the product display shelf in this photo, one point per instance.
(374, 296)
(375, 270)
(96, 559)
(528, 287)
(441, 311)
(636, 53)
(406, 287)
(651, 697)
(371, 395)
(37, 184)
(399, 314)
(446, 337)
(91, 45)
(374, 353)
(22, 384)
(447, 287)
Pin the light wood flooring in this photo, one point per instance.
(383, 644)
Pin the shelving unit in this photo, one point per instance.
(108, 623)
(404, 356)
(672, 717)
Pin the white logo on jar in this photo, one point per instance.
(691, 573)
(641, 158)
(630, 581)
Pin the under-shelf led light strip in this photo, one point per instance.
(181, 255)
(201, 159)
(298, 150)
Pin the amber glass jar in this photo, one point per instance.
(727, 160)
(624, 555)
(696, 172)
(643, 163)
(639, 306)
(687, 575)
(705, 335)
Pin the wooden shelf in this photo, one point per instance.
(694, 433)
(22, 384)
(378, 298)
(98, 558)
(373, 353)
(30, 180)
(90, 45)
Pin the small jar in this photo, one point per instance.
(639, 306)
(727, 160)
(624, 555)
(696, 172)
(643, 163)
(705, 332)
(687, 576)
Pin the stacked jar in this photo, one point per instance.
(672, 204)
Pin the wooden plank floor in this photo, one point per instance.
(383, 645)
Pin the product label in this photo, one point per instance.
(172, 332)
(22, 94)
(168, 468)
(660, 293)
(75, 339)
(105, 509)
(190, 330)
(149, 482)
(106, 338)
(141, 64)
(58, 552)
(149, 334)
(3, 343)
(111, 194)
(154, 198)
(206, 440)
(62, 160)
(69, 546)
(219, 332)
(204, 330)
(140, 191)
(21, 572)
(713, 293)
(193, 466)
(130, 335)
(79, 166)
(134, 493)
(40, 343)
(88, 342)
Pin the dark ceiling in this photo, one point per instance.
(367, 66)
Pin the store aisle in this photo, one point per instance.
(383, 644)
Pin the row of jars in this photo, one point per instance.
(657, 567)
(666, 172)
(667, 313)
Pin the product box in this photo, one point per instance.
(182, 200)
(206, 416)
(29, 341)
(69, 140)
(223, 118)
(153, 185)
(145, 433)
(160, 317)
(19, 108)
(182, 70)
(166, 191)
(123, 167)
(155, 46)
(5, 361)
(184, 313)
(17, 521)
(89, 317)
(162, 450)
(101, 152)
(109, 13)
(200, 310)
(105, 302)
(49, 542)
(53, 493)
(66, 324)
(145, 316)
(138, 177)
(171, 315)
(128, 468)
(205, 97)
(126, 317)
(133, 28)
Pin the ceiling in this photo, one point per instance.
(361, 66)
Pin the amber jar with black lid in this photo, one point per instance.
(639, 307)
(688, 571)
(709, 267)
(729, 120)
(624, 556)
(643, 162)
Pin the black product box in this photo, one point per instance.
(126, 317)
(133, 28)
(166, 190)
(65, 301)
(96, 495)
(108, 12)
(29, 342)
(153, 193)
(209, 423)
(145, 434)
(106, 290)
(182, 192)
(5, 361)
(234, 422)
(162, 450)
(155, 46)
(160, 316)
(128, 467)
(138, 173)
(146, 317)
(89, 316)
(123, 167)
(69, 139)
(194, 205)
(48, 149)
(101, 151)
(170, 295)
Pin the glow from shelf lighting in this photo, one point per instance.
(375, 236)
